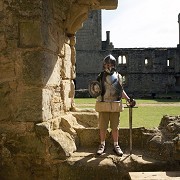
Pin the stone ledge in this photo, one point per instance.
(85, 164)
(155, 175)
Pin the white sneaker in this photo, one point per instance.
(101, 149)
(118, 150)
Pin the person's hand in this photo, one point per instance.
(131, 102)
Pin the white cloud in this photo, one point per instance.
(143, 23)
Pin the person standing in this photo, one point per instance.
(111, 92)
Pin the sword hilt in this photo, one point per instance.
(131, 102)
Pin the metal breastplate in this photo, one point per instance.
(113, 89)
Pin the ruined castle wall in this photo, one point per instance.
(148, 70)
(157, 76)
(37, 68)
(89, 68)
(36, 72)
(34, 51)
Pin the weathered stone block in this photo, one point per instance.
(7, 68)
(66, 71)
(5, 111)
(29, 105)
(30, 34)
(62, 51)
(64, 140)
(88, 137)
(42, 129)
(50, 35)
(46, 104)
(65, 93)
(56, 109)
(176, 141)
(2, 41)
(19, 137)
(73, 72)
(68, 121)
(32, 67)
(72, 41)
(55, 123)
(41, 68)
(155, 143)
(52, 69)
(1, 5)
(87, 119)
(167, 149)
(72, 92)
(30, 144)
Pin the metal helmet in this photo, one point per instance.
(109, 60)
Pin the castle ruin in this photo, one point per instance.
(40, 129)
(37, 68)
(147, 72)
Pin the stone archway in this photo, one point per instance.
(36, 82)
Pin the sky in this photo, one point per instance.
(142, 23)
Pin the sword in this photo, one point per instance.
(131, 104)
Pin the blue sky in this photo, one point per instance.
(142, 23)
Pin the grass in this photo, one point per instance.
(147, 116)
(143, 116)
(139, 101)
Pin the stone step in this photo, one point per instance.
(85, 164)
(89, 137)
(166, 175)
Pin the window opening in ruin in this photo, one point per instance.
(122, 59)
(146, 62)
(119, 60)
(168, 62)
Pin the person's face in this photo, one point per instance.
(108, 67)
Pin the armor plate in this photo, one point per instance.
(113, 88)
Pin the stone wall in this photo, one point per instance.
(91, 31)
(37, 65)
(35, 50)
(89, 50)
(149, 71)
(38, 56)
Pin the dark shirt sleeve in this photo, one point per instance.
(99, 77)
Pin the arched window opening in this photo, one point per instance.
(146, 62)
(122, 59)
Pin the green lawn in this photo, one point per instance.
(139, 101)
(144, 115)
(148, 116)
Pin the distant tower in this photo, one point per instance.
(88, 45)
(107, 45)
(90, 50)
(89, 37)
